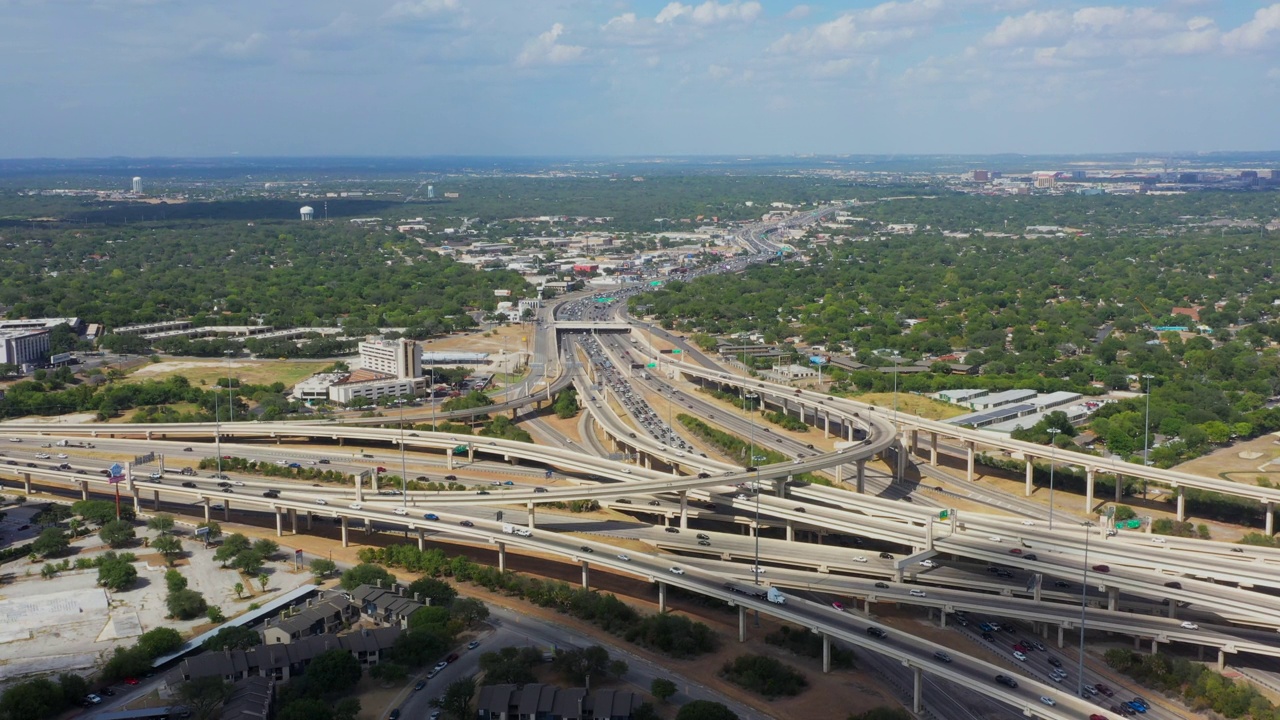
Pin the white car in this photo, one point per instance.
(399, 511)
(860, 558)
(237, 483)
(676, 570)
(321, 501)
(42, 456)
(626, 471)
(994, 538)
(1048, 700)
(63, 456)
(928, 563)
(1029, 523)
(1188, 625)
(1158, 540)
(624, 558)
(355, 506)
(757, 569)
(1017, 654)
(918, 593)
(12, 439)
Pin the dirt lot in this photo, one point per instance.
(1242, 462)
(249, 372)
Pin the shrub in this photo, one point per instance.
(764, 675)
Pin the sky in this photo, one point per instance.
(145, 78)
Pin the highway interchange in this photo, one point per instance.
(985, 565)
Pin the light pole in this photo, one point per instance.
(404, 469)
(1084, 604)
(751, 462)
(1146, 433)
(231, 404)
(895, 388)
(217, 432)
(1053, 435)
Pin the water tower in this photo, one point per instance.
(137, 186)
(307, 212)
(431, 192)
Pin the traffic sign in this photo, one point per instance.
(676, 351)
(944, 514)
(117, 473)
(655, 283)
(461, 449)
(652, 365)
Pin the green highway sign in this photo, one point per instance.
(652, 365)
(676, 351)
(461, 449)
(655, 283)
(944, 514)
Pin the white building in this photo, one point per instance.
(397, 358)
(24, 347)
(371, 386)
(316, 387)
(787, 373)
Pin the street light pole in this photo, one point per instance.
(231, 404)
(404, 469)
(217, 432)
(1146, 434)
(1084, 605)
(1053, 447)
(751, 462)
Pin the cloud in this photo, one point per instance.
(1058, 38)
(545, 50)
(1261, 31)
(710, 12)
(841, 36)
(421, 9)
(798, 12)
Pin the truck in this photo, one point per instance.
(774, 596)
(509, 529)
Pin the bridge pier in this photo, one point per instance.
(928, 533)
(532, 511)
(915, 440)
(742, 623)
(1173, 609)
(293, 520)
(373, 483)
(917, 687)
(345, 543)
(502, 557)
(684, 509)
(422, 540)
(448, 458)
(942, 618)
(1035, 591)
(155, 497)
(970, 452)
(826, 653)
(791, 532)
(1155, 646)
(1119, 487)
(26, 483)
(1271, 518)
(662, 597)
(1090, 477)
(826, 425)
(1182, 504)
(310, 519)
(586, 575)
(1030, 474)
(900, 466)
(137, 500)
(226, 511)
(1222, 659)
(1113, 598)
(1061, 634)
(279, 523)
(861, 485)
(84, 489)
(360, 488)
(780, 486)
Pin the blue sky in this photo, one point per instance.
(632, 77)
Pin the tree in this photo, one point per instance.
(457, 698)
(214, 613)
(662, 689)
(322, 567)
(99, 512)
(115, 573)
(161, 523)
(169, 547)
(158, 642)
(469, 611)
(117, 533)
(705, 710)
(389, 672)
(205, 696)
(577, 665)
(51, 541)
(238, 588)
(510, 665)
(215, 530)
(433, 591)
(332, 672)
(247, 562)
(31, 700)
(175, 581)
(266, 548)
(233, 637)
(73, 686)
(264, 580)
(366, 574)
(645, 711)
(231, 547)
(186, 604)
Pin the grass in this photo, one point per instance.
(205, 373)
(912, 405)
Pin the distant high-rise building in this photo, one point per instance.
(401, 358)
(431, 192)
(981, 176)
(137, 186)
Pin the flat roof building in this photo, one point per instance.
(399, 358)
(24, 347)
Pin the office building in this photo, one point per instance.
(398, 358)
(24, 347)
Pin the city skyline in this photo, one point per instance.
(98, 78)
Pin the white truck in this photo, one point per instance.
(509, 529)
(774, 596)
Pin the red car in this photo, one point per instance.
(1020, 647)
(1101, 568)
(381, 469)
(1015, 551)
(1104, 689)
(1096, 716)
(131, 681)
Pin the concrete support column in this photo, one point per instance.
(780, 486)
(586, 575)
(648, 462)
(897, 575)
(310, 519)
(279, 523)
(448, 458)
(226, 511)
(1155, 646)
(344, 531)
(1090, 477)
(1182, 504)
(373, 482)
(502, 557)
(848, 427)
(1119, 487)
(684, 509)
(791, 532)
(84, 490)
(861, 485)
(1030, 472)
(839, 475)
(1222, 659)
(532, 511)
(26, 483)
(826, 425)
(742, 623)
(155, 500)
(928, 533)
(1036, 590)
(293, 520)
(1173, 608)
(422, 540)
(359, 489)
(942, 617)
(1113, 598)
(901, 465)
(971, 455)
(826, 653)
(1271, 518)
(1061, 633)
(933, 449)
(1137, 643)
(917, 688)
(662, 597)
(915, 440)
